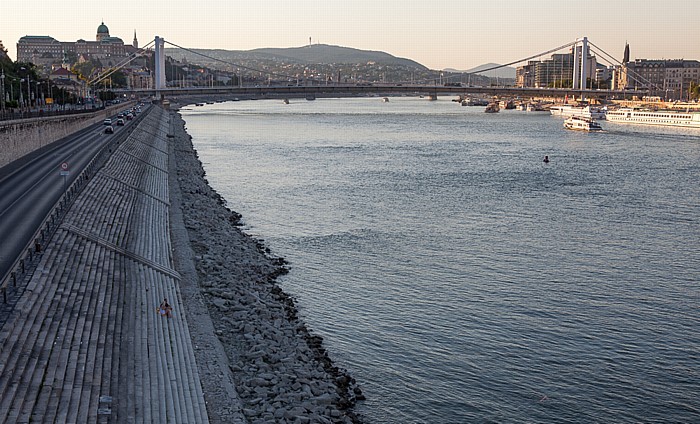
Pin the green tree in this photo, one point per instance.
(118, 79)
(694, 90)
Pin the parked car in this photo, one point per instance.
(109, 129)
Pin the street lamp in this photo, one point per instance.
(2, 90)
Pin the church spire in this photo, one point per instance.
(135, 42)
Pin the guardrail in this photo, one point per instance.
(25, 263)
(11, 115)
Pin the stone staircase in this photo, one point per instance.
(84, 342)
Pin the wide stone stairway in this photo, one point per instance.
(85, 343)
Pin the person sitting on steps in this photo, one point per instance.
(165, 310)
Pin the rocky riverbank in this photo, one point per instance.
(275, 369)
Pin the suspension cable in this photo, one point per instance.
(112, 70)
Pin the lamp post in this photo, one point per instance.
(21, 95)
(2, 90)
(29, 95)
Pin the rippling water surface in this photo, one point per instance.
(457, 276)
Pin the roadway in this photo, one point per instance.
(353, 90)
(28, 194)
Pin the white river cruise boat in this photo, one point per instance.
(567, 111)
(669, 118)
(577, 123)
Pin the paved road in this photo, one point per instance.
(28, 194)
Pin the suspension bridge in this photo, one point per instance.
(582, 71)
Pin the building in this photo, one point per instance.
(557, 71)
(669, 79)
(44, 51)
(39, 49)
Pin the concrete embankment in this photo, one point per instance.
(280, 370)
(84, 342)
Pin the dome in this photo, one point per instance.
(102, 29)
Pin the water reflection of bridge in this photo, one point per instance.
(347, 90)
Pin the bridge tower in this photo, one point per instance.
(581, 51)
(159, 82)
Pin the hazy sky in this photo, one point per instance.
(440, 34)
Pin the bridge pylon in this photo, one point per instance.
(160, 82)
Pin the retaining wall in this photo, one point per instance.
(21, 137)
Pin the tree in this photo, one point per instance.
(694, 90)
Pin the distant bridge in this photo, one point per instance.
(353, 90)
(312, 88)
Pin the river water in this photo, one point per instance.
(461, 279)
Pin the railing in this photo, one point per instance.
(13, 114)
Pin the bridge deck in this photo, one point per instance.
(84, 343)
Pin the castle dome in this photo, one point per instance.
(102, 29)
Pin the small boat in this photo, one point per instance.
(507, 104)
(471, 101)
(385, 99)
(492, 108)
(285, 101)
(199, 104)
(578, 123)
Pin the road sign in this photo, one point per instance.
(64, 166)
(65, 173)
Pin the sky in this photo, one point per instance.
(459, 34)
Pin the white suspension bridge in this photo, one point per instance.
(579, 88)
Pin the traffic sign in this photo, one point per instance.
(64, 166)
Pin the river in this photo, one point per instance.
(460, 278)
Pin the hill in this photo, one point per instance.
(312, 54)
(506, 72)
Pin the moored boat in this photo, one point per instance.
(472, 101)
(670, 118)
(567, 111)
(492, 108)
(578, 123)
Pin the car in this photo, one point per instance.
(120, 122)
(109, 129)
(107, 122)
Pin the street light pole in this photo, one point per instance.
(2, 89)
(29, 95)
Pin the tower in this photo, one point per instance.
(135, 43)
(626, 55)
(160, 81)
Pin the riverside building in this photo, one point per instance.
(554, 72)
(667, 79)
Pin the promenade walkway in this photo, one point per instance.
(84, 342)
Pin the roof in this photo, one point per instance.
(102, 29)
(38, 38)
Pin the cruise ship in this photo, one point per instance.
(567, 111)
(669, 118)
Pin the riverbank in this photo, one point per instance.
(264, 365)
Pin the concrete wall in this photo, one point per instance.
(21, 137)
